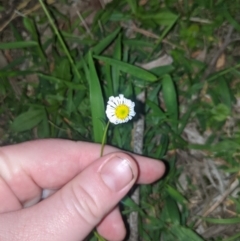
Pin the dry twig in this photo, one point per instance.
(221, 198)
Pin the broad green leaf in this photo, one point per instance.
(175, 194)
(170, 212)
(30, 26)
(128, 202)
(18, 45)
(96, 101)
(28, 120)
(220, 112)
(128, 68)
(170, 100)
(183, 233)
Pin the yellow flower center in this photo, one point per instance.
(122, 111)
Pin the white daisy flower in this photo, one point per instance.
(119, 109)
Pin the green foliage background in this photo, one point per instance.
(73, 84)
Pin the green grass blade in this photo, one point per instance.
(115, 69)
(232, 238)
(156, 110)
(105, 42)
(222, 220)
(109, 86)
(231, 20)
(96, 100)
(184, 234)
(61, 40)
(175, 194)
(18, 45)
(56, 80)
(133, 5)
(128, 68)
(170, 212)
(225, 92)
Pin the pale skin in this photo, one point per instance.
(81, 190)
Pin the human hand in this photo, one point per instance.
(80, 190)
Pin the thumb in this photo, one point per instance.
(73, 211)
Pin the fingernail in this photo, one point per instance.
(117, 173)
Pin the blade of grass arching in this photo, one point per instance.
(115, 69)
(96, 101)
(128, 68)
(60, 39)
(18, 45)
(170, 100)
(223, 72)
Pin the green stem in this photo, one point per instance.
(100, 238)
(104, 138)
(60, 39)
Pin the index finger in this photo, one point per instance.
(49, 164)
